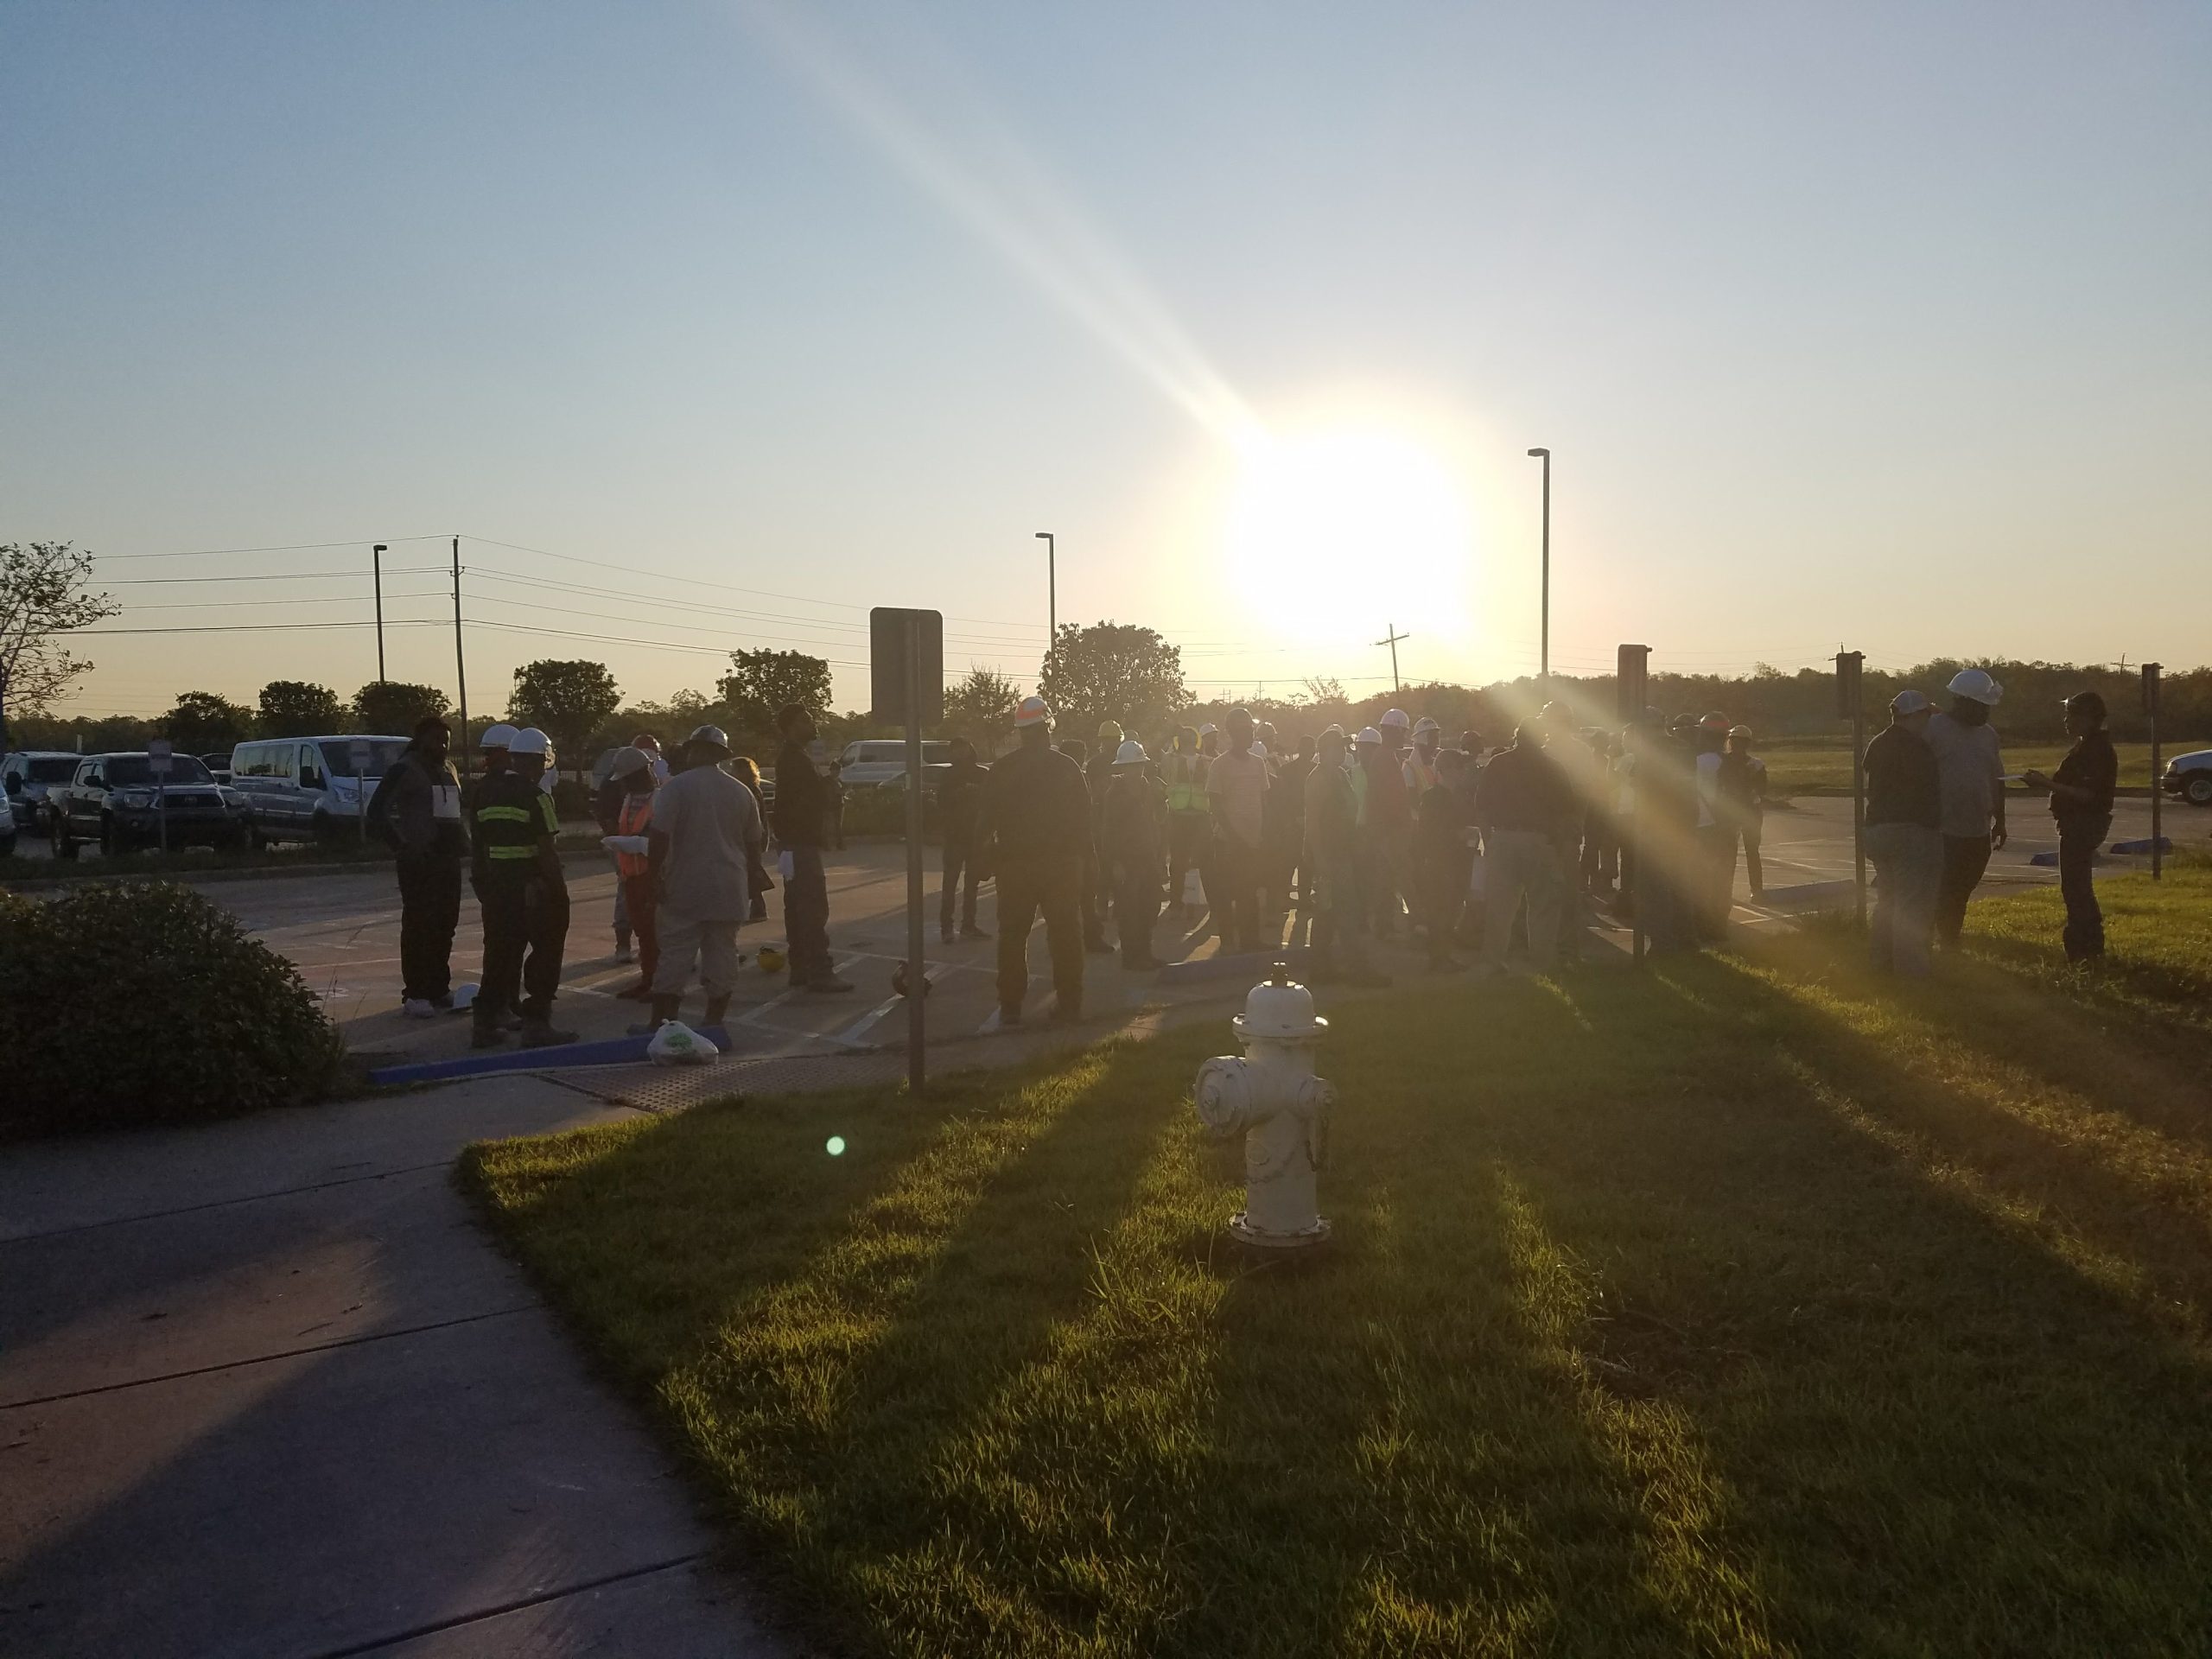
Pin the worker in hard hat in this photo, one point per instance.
(1905, 837)
(1284, 829)
(1520, 804)
(632, 773)
(1133, 850)
(540, 744)
(1236, 787)
(1442, 857)
(1041, 821)
(705, 824)
(523, 893)
(2081, 796)
(1421, 762)
(1092, 905)
(1387, 821)
(1970, 768)
(960, 817)
(1716, 831)
(1329, 866)
(803, 812)
(1744, 786)
(1190, 819)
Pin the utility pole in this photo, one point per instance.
(1544, 658)
(460, 662)
(1850, 704)
(376, 567)
(1052, 591)
(1391, 640)
(2151, 673)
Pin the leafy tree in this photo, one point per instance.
(981, 707)
(298, 708)
(565, 700)
(761, 682)
(201, 722)
(1112, 671)
(392, 707)
(44, 593)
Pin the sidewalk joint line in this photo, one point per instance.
(219, 1204)
(264, 1359)
(514, 1606)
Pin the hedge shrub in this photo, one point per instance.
(147, 1003)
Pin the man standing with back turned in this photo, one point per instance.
(1040, 814)
(703, 823)
(1971, 772)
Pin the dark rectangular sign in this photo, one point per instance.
(894, 638)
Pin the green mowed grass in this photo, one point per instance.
(1796, 764)
(1745, 1307)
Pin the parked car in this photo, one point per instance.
(27, 776)
(2189, 776)
(219, 765)
(873, 762)
(115, 802)
(304, 788)
(7, 828)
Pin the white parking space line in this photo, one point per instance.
(754, 1016)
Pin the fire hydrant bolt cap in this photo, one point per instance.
(1280, 1010)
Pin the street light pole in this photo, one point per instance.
(1544, 659)
(1052, 589)
(376, 566)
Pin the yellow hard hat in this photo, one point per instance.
(772, 960)
(1110, 730)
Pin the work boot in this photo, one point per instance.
(485, 1032)
(664, 1011)
(828, 984)
(538, 1031)
(971, 932)
(1009, 1016)
(717, 1006)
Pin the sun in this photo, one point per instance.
(1327, 526)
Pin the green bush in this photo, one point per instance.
(147, 1003)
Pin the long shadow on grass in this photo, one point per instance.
(1933, 1426)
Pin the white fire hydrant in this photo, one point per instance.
(1273, 1099)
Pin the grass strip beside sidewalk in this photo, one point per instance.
(1748, 1305)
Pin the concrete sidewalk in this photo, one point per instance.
(266, 1389)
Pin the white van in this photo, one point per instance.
(873, 762)
(308, 788)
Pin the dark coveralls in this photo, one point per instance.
(1133, 850)
(419, 808)
(1041, 818)
(960, 809)
(517, 879)
(2089, 765)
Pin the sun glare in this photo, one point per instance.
(1318, 515)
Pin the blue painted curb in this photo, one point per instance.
(2165, 844)
(616, 1051)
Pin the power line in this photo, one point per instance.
(274, 575)
(283, 547)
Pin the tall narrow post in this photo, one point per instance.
(1544, 646)
(1851, 701)
(918, 978)
(1391, 640)
(460, 662)
(376, 571)
(2158, 785)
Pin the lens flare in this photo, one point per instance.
(836, 1146)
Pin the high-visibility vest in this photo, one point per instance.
(1422, 776)
(1358, 794)
(635, 818)
(1186, 784)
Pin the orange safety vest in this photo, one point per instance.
(636, 817)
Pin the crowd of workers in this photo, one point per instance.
(1346, 838)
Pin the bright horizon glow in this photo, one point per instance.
(1361, 505)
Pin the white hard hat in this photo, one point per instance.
(1424, 724)
(1909, 702)
(1976, 686)
(1258, 751)
(1208, 729)
(627, 760)
(1131, 753)
(1368, 735)
(1396, 717)
(497, 737)
(530, 740)
(713, 736)
(1032, 711)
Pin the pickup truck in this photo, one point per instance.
(114, 801)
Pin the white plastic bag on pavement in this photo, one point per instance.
(676, 1043)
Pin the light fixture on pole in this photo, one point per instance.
(1052, 589)
(1544, 649)
(376, 568)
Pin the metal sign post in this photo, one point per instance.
(2157, 787)
(1851, 702)
(906, 669)
(358, 753)
(1631, 682)
(158, 761)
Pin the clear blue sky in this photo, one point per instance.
(1878, 325)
